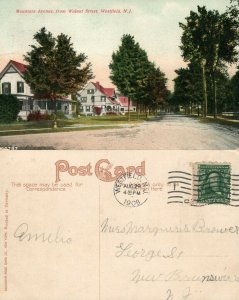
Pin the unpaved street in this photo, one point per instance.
(172, 132)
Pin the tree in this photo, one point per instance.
(157, 92)
(54, 68)
(129, 69)
(234, 87)
(209, 38)
(188, 88)
(9, 108)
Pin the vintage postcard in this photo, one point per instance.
(155, 75)
(119, 225)
(140, 102)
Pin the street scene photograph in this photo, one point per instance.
(119, 75)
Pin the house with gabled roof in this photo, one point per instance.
(95, 99)
(125, 105)
(12, 82)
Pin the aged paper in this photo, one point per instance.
(119, 225)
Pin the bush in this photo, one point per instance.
(38, 116)
(98, 110)
(111, 113)
(60, 115)
(9, 108)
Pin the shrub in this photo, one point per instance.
(38, 116)
(60, 115)
(9, 108)
(111, 113)
(98, 110)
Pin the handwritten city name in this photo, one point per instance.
(103, 170)
(178, 275)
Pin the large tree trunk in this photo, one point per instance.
(55, 118)
(214, 88)
(128, 109)
(215, 62)
(138, 110)
(203, 66)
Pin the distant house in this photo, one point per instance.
(124, 104)
(12, 82)
(97, 100)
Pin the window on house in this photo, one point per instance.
(6, 88)
(25, 105)
(31, 104)
(20, 87)
(42, 104)
(20, 104)
(90, 91)
(87, 108)
(103, 99)
(92, 98)
(58, 105)
(51, 105)
(83, 99)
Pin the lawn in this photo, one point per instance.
(88, 123)
(220, 120)
(100, 120)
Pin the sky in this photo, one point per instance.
(153, 23)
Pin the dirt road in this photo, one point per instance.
(173, 132)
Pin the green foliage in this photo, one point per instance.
(9, 108)
(188, 89)
(60, 115)
(211, 36)
(129, 67)
(188, 86)
(156, 90)
(54, 68)
(135, 76)
(210, 39)
(234, 87)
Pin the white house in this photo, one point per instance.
(97, 100)
(12, 82)
(124, 104)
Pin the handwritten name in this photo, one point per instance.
(22, 234)
(199, 226)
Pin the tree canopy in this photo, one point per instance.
(210, 39)
(135, 76)
(54, 69)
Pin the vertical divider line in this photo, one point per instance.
(99, 248)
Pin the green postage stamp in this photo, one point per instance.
(212, 183)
